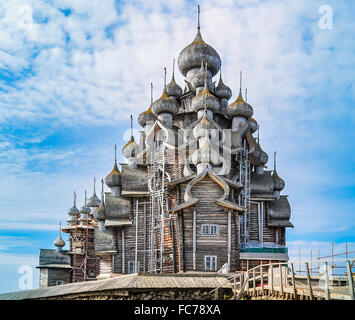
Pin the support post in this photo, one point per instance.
(281, 280)
(144, 235)
(309, 281)
(254, 282)
(350, 280)
(293, 282)
(326, 283)
(136, 244)
(272, 279)
(194, 240)
(123, 251)
(229, 238)
(262, 279)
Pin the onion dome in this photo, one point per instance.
(165, 104)
(146, 116)
(205, 99)
(199, 79)
(93, 201)
(263, 156)
(73, 211)
(239, 108)
(223, 91)
(253, 125)
(59, 242)
(172, 88)
(197, 52)
(203, 128)
(113, 179)
(130, 148)
(206, 155)
(279, 184)
(85, 209)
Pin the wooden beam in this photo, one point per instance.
(350, 280)
(293, 282)
(194, 240)
(144, 235)
(309, 281)
(281, 280)
(136, 240)
(229, 238)
(123, 251)
(326, 282)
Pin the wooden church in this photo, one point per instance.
(194, 195)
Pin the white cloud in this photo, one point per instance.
(294, 85)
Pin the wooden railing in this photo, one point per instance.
(281, 280)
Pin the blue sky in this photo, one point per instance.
(70, 81)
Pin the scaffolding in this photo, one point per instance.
(84, 263)
(159, 207)
(244, 197)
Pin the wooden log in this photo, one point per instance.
(281, 280)
(350, 280)
(293, 282)
(229, 238)
(136, 240)
(272, 279)
(194, 240)
(326, 282)
(309, 281)
(144, 235)
(253, 281)
(123, 250)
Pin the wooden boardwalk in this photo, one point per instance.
(280, 281)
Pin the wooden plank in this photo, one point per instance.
(194, 240)
(281, 280)
(350, 280)
(309, 281)
(293, 282)
(326, 283)
(229, 238)
(123, 251)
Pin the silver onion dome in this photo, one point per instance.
(172, 88)
(93, 201)
(59, 242)
(199, 79)
(253, 126)
(223, 91)
(73, 210)
(205, 155)
(113, 179)
(197, 52)
(205, 99)
(203, 128)
(146, 117)
(164, 104)
(85, 209)
(279, 184)
(263, 156)
(130, 148)
(239, 108)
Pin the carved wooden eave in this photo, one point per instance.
(190, 200)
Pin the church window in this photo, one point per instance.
(210, 263)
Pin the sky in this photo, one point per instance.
(71, 73)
